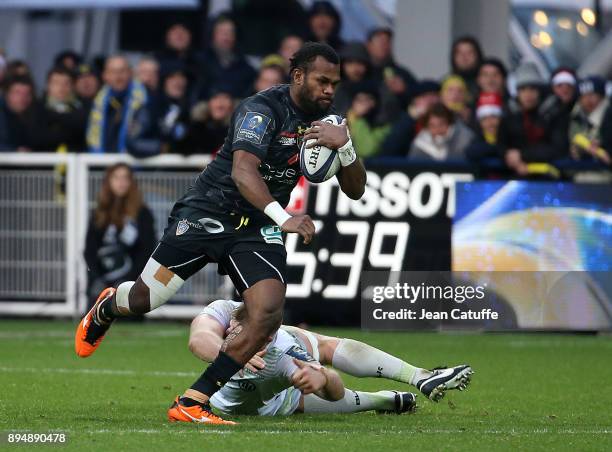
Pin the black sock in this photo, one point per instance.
(186, 401)
(105, 313)
(217, 374)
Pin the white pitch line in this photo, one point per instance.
(64, 334)
(229, 430)
(61, 370)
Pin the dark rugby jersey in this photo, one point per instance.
(269, 125)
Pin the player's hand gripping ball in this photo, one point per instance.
(317, 161)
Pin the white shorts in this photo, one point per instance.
(282, 404)
(226, 400)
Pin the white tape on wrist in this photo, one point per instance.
(276, 212)
(347, 154)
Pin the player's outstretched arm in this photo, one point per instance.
(245, 174)
(206, 338)
(352, 174)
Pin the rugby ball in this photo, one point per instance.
(320, 163)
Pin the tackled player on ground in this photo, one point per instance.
(288, 376)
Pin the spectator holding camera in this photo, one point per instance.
(121, 233)
(590, 130)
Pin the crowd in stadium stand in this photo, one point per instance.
(180, 100)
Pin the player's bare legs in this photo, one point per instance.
(264, 312)
(362, 360)
(130, 298)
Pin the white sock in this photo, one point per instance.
(122, 297)
(362, 360)
(353, 402)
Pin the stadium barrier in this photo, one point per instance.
(45, 203)
(404, 221)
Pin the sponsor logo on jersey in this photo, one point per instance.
(246, 386)
(272, 235)
(287, 138)
(300, 135)
(182, 227)
(253, 127)
(281, 175)
(286, 141)
(211, 225)
(293, 160)
(298, 352)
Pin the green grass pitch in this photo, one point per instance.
(530, 392)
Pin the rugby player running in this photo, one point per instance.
(234, 215)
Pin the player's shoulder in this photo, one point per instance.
(221, 310)
(276, 93)
(272, 100)
(284, 340)
(289, 345)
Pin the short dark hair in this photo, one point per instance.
(19, 80)
(60, 57)
(379, 30)
(307, 54)
(60, 70)
(497, 63)
(439, 110)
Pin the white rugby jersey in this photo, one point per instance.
(249, 393)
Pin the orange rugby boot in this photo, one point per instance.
(90, 333)
(200, 414)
